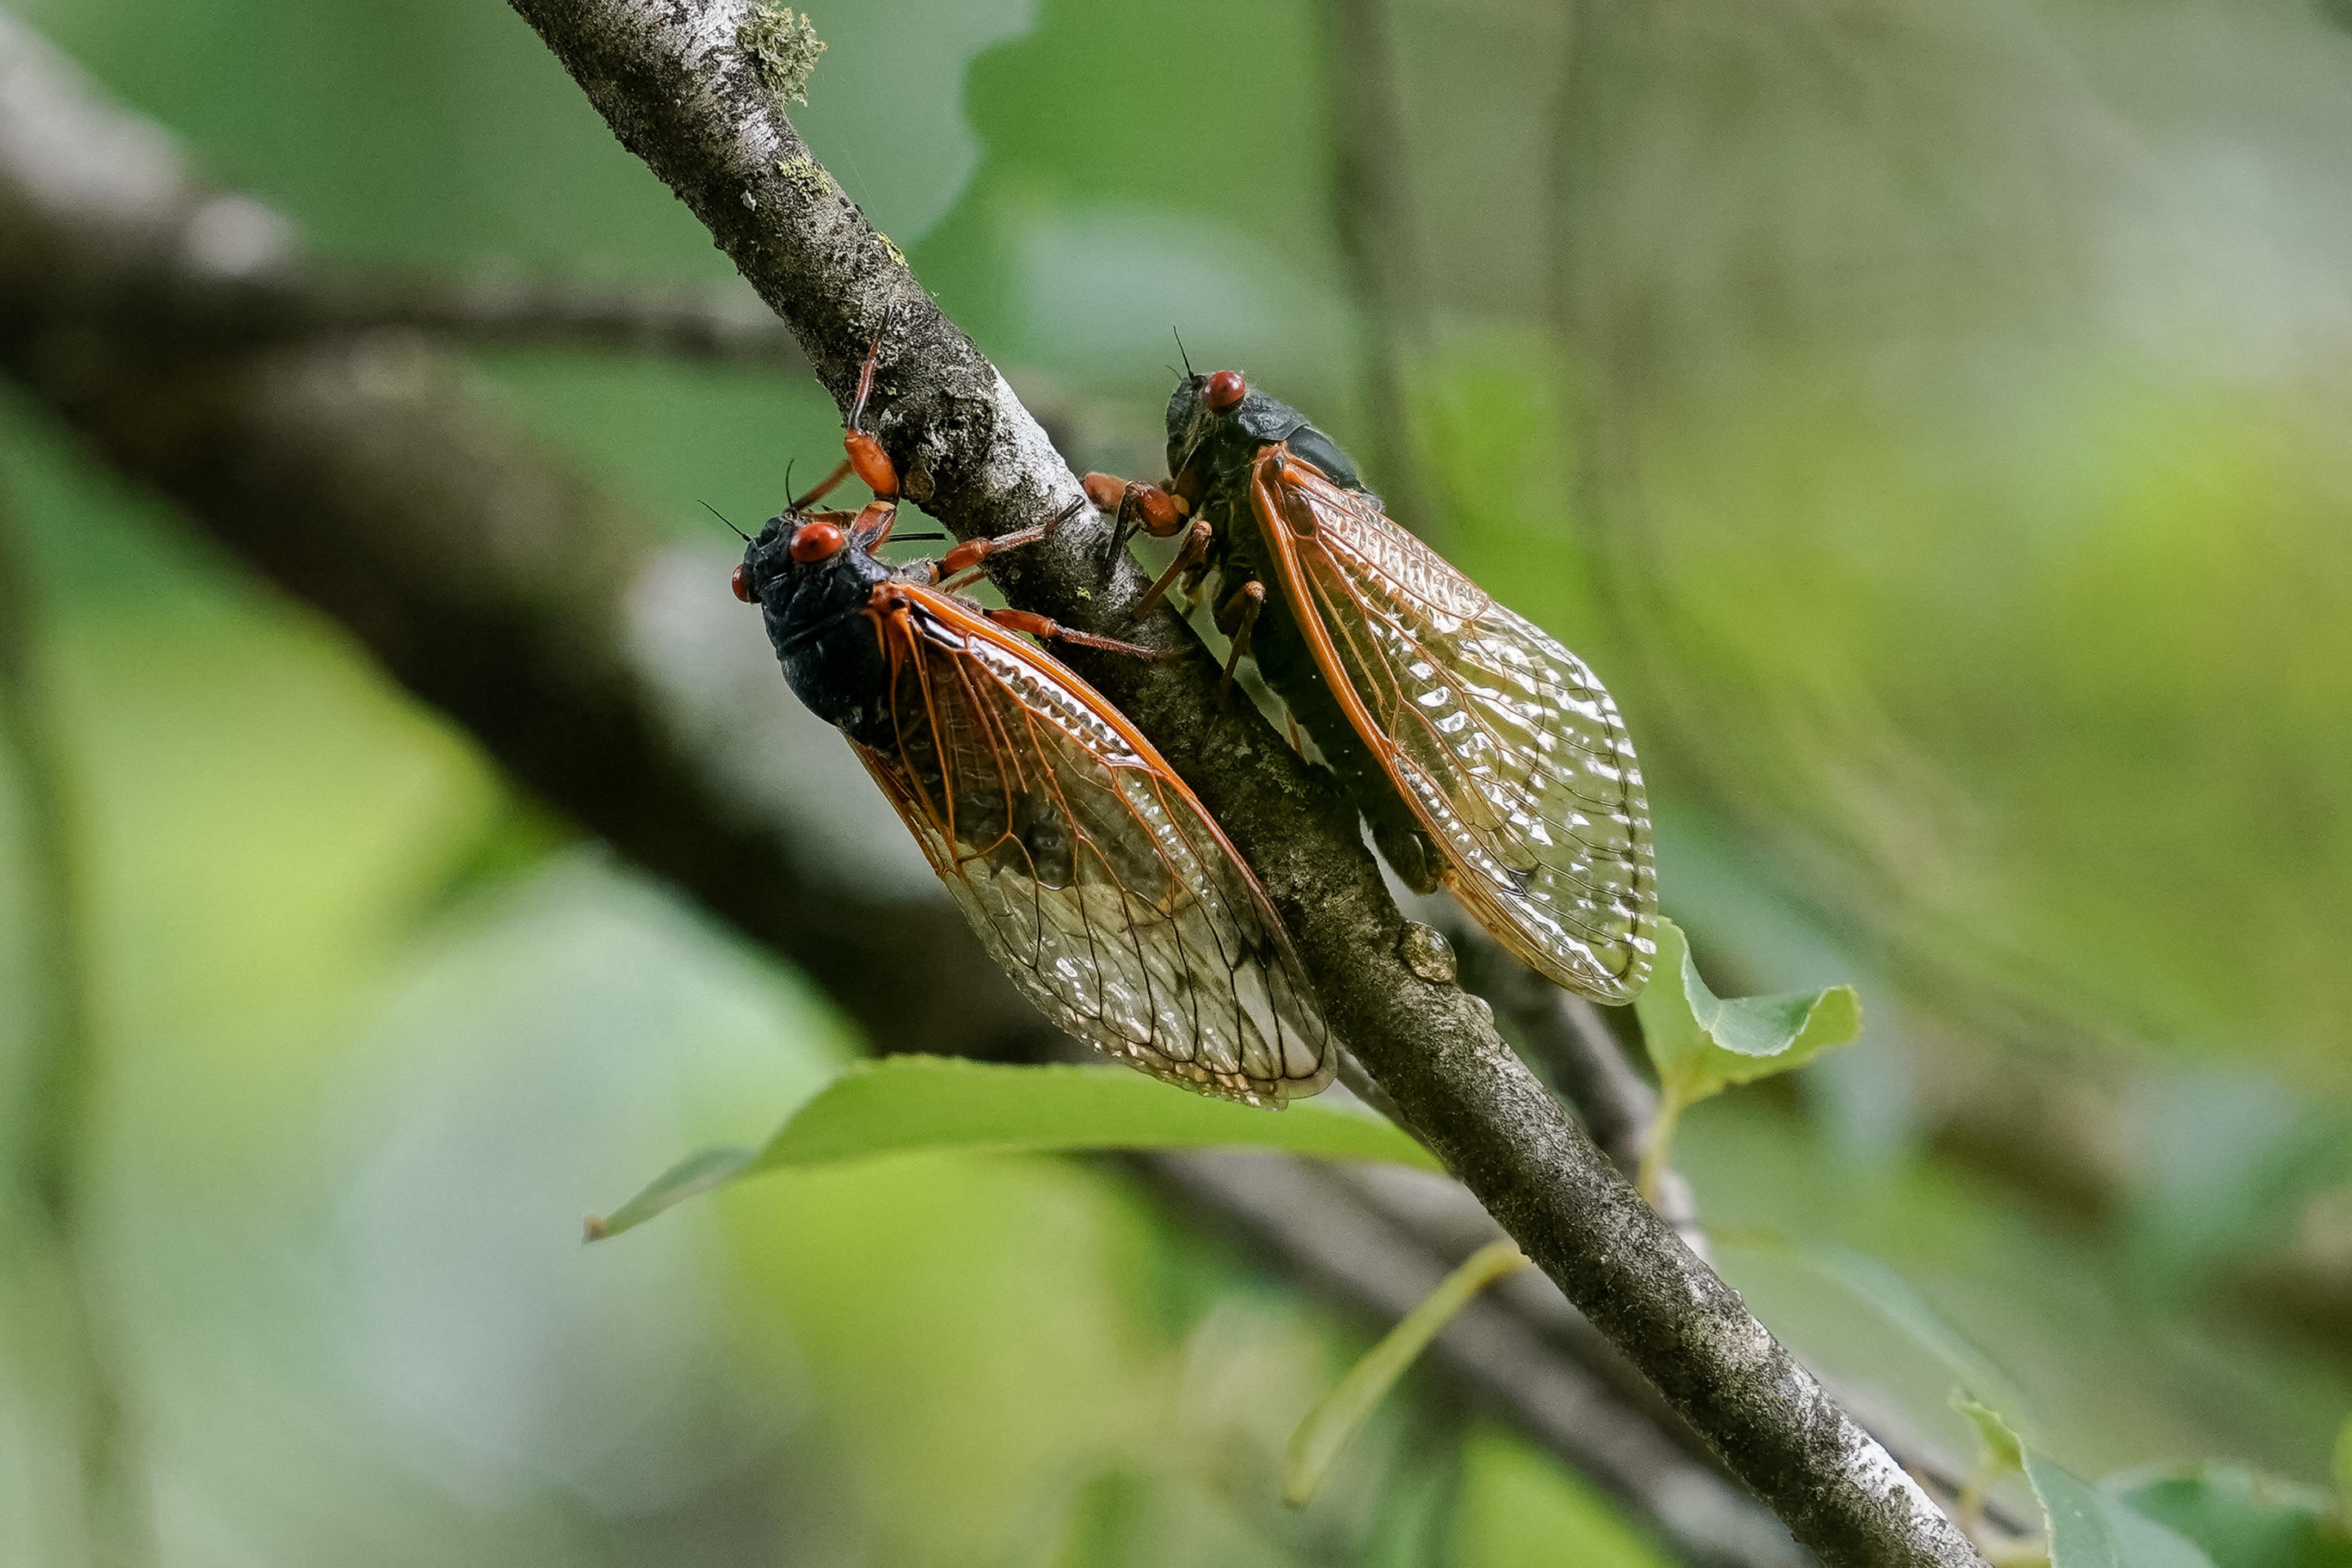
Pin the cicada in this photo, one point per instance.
(1088, 871)
(1483, 754)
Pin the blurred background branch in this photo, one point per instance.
(197, 310)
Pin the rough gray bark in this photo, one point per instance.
(668, 77)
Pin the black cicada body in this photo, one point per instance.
(1087, 868)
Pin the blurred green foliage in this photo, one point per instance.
(2245, 1521)
(1929, 420)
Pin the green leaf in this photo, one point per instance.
(1702, 1043)
(2242, 1520)
(926, 1104)
(2002, 1448)
(2092, 1529)
(1318, 1442)
(697, 1172)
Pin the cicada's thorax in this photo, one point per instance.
(817, 618)
(1219, 450)
(826, 621)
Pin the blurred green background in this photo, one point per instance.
(1931, 419)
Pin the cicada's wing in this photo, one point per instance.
(1089, 871)
(1502, 741)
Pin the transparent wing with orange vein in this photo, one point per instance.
(1503, 741)
(1088, 871)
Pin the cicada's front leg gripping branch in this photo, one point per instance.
(866, 454)
(1047, 629)
(871, 529)
(1154, 508)
(1237, 617)
(1188, 558)
(867, 458)
(1134, 504)
(962, 566)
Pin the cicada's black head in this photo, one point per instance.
(812, 581)
(1217, 423)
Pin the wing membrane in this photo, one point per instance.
(1088, 871)
(1504, 743)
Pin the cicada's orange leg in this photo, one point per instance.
(1237, 617)
(824, 487)
(875, 520)
(1195, 551)
(867, 458)
(967, 556)
(1134, 504)
(866, 454)
(1049, 629)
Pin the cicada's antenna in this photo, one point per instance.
(1181, 354)
(725, 518)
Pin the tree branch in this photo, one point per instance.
(670, 80)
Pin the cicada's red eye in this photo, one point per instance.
(1225, 389)
(742, 583)
(816, 542)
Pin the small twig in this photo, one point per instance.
(1653, 1174)
(1366, 1088)
(61, 1074)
